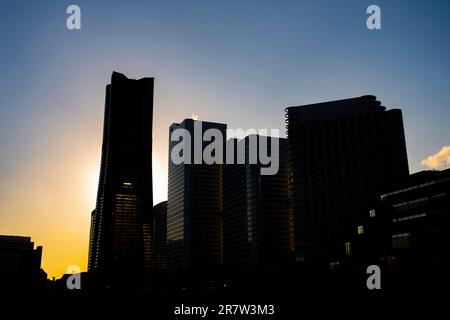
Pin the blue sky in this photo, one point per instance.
(237, 62)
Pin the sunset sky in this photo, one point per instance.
(236, 62)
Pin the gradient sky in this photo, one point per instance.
(237, 62)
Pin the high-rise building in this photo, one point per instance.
(160, 234)
(343, 155)
(256, 220)
(20, 264)
(410, 223)
(121, 248)
(406, 233)
(194, 204)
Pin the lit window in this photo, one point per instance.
(348, 248)
(416, 216)
(334, 265)
(127, 183)
(372, 213)
(360, 229)
(401, 241)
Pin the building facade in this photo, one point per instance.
(411, 223)
(405, 233)
(160, 233)
(20, 265)
(194, 204)
(257, 227)
(121, 248)
(343, 155)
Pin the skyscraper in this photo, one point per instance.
(343, 155)
(194, 204)
(160, 234)
(121, 249)
(256, 221)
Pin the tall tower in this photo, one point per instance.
(120, 250)
(194, 204)
(343, 155)
(160, 235)
(256, 220)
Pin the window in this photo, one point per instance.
(360, 229)
(401, 241)
(334, 265)
(420, 215)
(372, 213)
(348, 248)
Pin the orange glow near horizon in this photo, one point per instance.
(49, 192)
(62, 230)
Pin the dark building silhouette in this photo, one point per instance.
(160, 233)
(409, 226)
(344, 154)
(256, 221)
(418, 216)
(194, 204)
(121, 248)
(20, 265)
(236, 244)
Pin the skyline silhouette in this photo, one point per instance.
(322, 214)
(237, 63)
(315, 223)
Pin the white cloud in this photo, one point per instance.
(439, 160)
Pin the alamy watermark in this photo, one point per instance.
(73, 21)
(374, 279)
(373, 21)
(74, 280)
(190, 149)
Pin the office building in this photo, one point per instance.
(121, 248)
(160, 234)
(343, 155)
(257, 227)
(410, 223)
(194, 204)
(405, 234)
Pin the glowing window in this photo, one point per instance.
(360, 229)
(348, 248)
